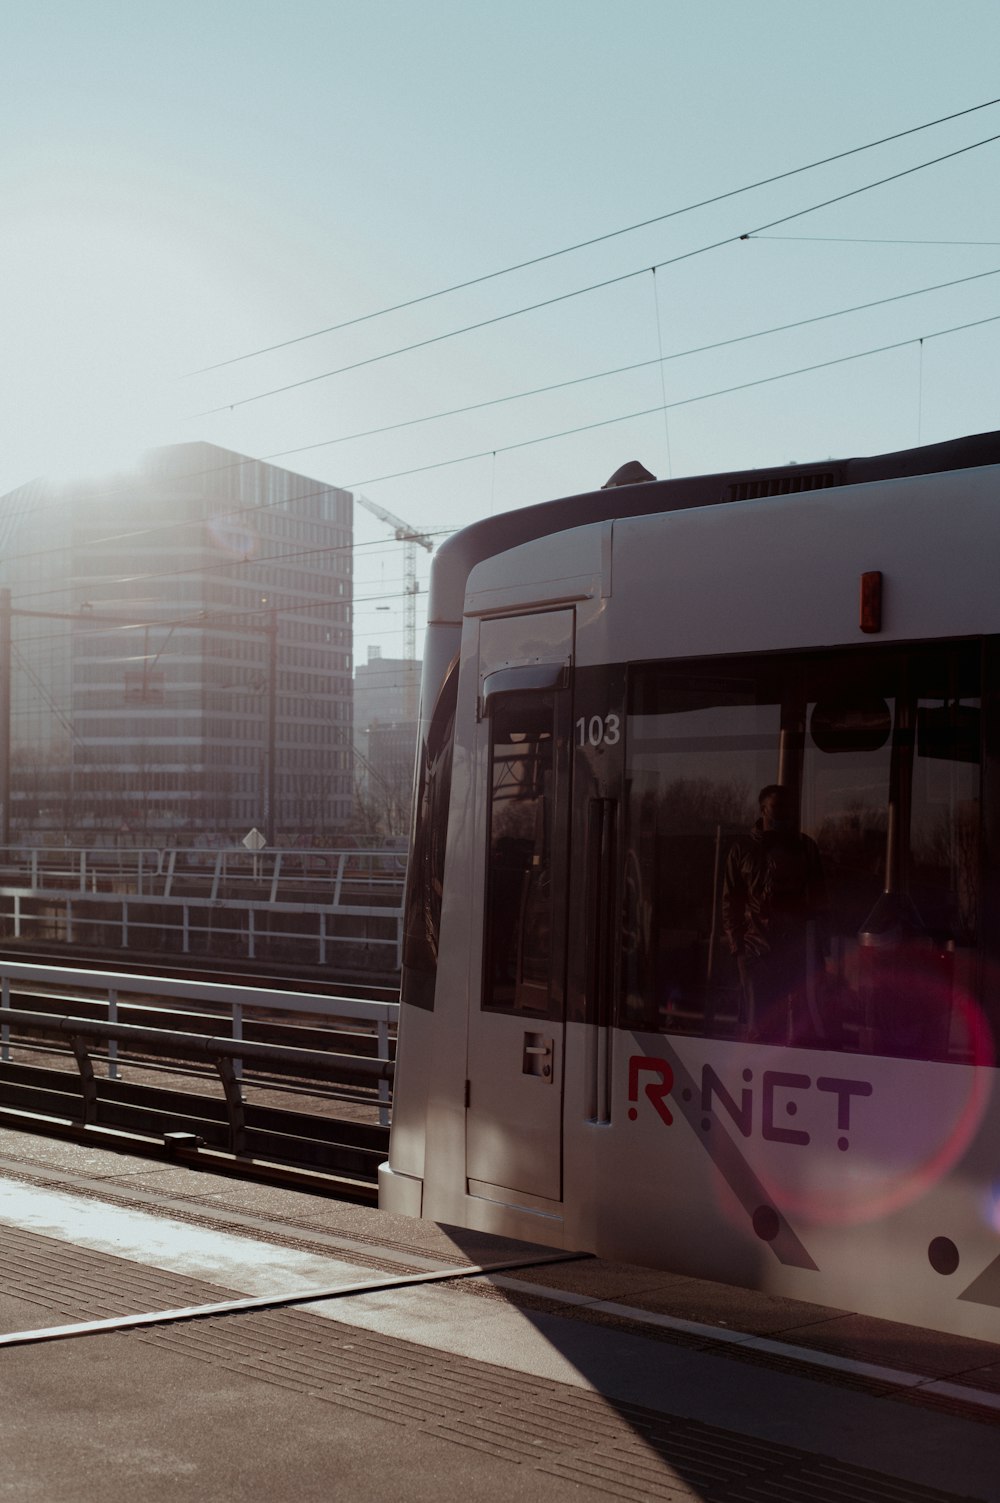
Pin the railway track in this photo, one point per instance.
(295, 1099)
(376, 986)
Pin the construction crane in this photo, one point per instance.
(410, 538)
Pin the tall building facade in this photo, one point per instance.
(181, 662)
(386, 696)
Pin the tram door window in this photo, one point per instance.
(803, 855)
(520, 892)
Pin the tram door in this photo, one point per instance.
(515, 1060)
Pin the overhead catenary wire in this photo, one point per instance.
(43, 691)
(256, 508)
(619, 370)
(724, 391)
(98, 623)
(663, 374)
(754, 234)
(373, 675)
(642, 224)
(606, 282)
(197, 621)
(870, 240)
(547, 438)
(375, 546)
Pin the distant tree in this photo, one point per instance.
(382, 804)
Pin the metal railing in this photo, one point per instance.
(222, 998)
(151, 869)
(224, 1053)
(312, 906)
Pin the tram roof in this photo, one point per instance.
(457, 557)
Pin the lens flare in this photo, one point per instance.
(991, 1206)
(234, 535)
(930, 1070)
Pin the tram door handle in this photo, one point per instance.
(537, 1058)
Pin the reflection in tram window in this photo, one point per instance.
(803, 849)
(519, 896)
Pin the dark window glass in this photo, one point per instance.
(425, 869)
(803, 849)
(519, 887)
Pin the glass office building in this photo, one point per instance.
(181, 652)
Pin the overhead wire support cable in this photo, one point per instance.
(258, 611)
(724, 391)
(256, 508)
(566, 250)
(354, 547)
(870, 240)
(91, 622)
(620, 370)
(519, 396)
(43, 691)
(507, 448)
(563, 297)
(247, 613)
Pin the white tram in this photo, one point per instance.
(631, 1023)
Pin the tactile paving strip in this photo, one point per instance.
(621, 1450)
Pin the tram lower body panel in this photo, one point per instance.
(855, 1181)
(852, 1181)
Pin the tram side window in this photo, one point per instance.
(519, 887)
(803, 849)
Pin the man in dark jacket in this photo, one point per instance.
(774, 908)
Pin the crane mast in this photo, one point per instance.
(411, 538)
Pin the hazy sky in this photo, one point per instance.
(183, 183)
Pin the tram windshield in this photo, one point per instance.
(804, 857)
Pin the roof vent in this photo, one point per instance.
(632, 473)
(784, 483)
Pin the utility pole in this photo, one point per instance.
(271, 755)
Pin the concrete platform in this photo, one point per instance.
(583, 1380)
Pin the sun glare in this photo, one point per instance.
(96, 323)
